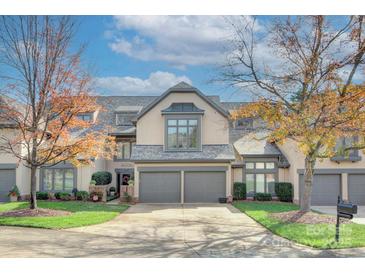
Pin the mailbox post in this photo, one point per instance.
(344, 210)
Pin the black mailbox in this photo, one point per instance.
(345, 215)
(347, 208)
(344, 210)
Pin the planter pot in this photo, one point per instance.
(222, 200)
(112, 193)
(13, 198)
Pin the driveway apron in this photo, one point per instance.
(168, 230)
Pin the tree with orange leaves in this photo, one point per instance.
(308, 93)
(44, 93)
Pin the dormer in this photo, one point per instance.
(126, 115)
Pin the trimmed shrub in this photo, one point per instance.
(263, 196)
(239, 191)
(65, 196)
(92, 182)
(112, 189)
(284, 191)
(102, 178)
(82, 195)
(42, 195)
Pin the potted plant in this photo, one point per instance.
(14, 194)
(112, 191)
(95, 196)
(127, 197)
(74, 192)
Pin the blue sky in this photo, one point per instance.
(137, 55)
(145, 55)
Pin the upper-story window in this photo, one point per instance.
(182, 134)
(125, 118)
(346, 155)
(123, 150)
(243, 123)
(87, 117)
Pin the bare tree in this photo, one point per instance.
(306, 92)
(44, 90)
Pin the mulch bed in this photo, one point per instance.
(40, 212)
(299, 217)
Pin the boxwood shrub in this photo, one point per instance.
(65, 196)
(239, 191)
(82, 195)
(284, 191)
(263, 196)
(102, 178)
(42, 195)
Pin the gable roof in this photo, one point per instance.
(183, 87)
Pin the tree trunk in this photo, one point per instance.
(305, 202)
(33, 188)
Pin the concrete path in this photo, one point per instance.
(161, 231)
(332, 210)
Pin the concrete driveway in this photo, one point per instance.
(332, 210)
(161, 231)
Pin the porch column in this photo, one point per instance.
(344, 186)
(136, 183)
(228, 182)
(182, 186)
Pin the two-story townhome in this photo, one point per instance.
(182, 147)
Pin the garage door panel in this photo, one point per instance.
(204, 187)
(160, 187)
(325, 190)
(356, 186)
(7, 181)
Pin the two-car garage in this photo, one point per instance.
(182, 185)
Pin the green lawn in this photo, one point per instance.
(83, 214)
(318, 235)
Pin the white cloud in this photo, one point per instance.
(155, 84)
(178, 40)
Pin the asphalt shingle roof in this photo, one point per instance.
(254, 143)
(113, 104)
(219, 153)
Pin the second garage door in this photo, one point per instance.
(325, 190)
(356, 184)
(7, 181)
(204, 187)
(160, 187)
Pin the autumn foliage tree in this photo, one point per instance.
(307, 93)
(44, 90)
